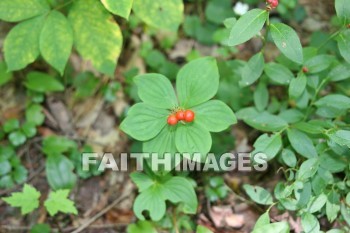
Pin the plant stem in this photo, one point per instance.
(335, 34)
(266, 32)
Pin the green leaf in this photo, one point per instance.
(339, 73)
(308, 169)
(120, 7)
(297, 86)
(332, 206)
(11, 125)
(144, 122)
(163, 143)
(214, 115)
(302, 143)
(341, 137)
(252, 70)
(5, 167)
(263, 121)
(58, 202)
(310, 223)
(141, 227)
(41, 228)
(278, 227)
(27, 200)
(34, 114)
(20, 174)
(59, 172)
(344, 45)
(4, 75)
(17, 138)
(261, 96)
(101, 47)
(156, 90)
(319, 63)
(17, 10)
(317, 203)
(342, 8)
(270, 146)
(202, 229)
(193, 138)
(287, 41)
(263, 220)
(258, 194)
(29, 129)
(278, 73)
(160, 14)
(142, 181)
(289, 157)
(21, 46)
(218, 10)
(57, 145)
(335, 101)
(197, 82)
(247, 26)
(42, 82)
(56, 40)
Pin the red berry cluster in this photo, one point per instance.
(181, 115)
(272, 3)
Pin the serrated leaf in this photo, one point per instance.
(252, 70)
(247, 26)
(18, 10)
(120, 7)
(101, 47)
(287, 41)
(144, 122)
(42, 82)
(56, 40)
(21, 46)
(301, 143)
(278, 73)
(27, 200)
(269, 145)
(214, 115)
(58, 202)
(197, 82)
(156, 90)
(59, 172)
(160, 14)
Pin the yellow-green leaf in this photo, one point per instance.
(120, 7)
(97, 36)
(21, 46)
(18, 10)
(56, 40)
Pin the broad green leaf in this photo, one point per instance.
(101, 47)
(17, 138)
(341, 137)
(141, 180)
(261, 96)
(159, 13)
(202, 229)
(247, 26)
(278, 73)
(152, 201)
(263, 121)
(287, 41)
(297, 86)
(193, 138)
(40, 228)
(302, 143)
(291, 115)
(214, 115)
(289, 158)
(163, 143)
(4, 75)
(34, 114)
(27, 200)
(344, 45)
(20, 174)
(316, 203)
(277, 227)
(308, 169)
(144, 122)
(11, 125)
(252, 70)
(156, 90)
(217, 11)
(197, 82)
(339, 73)
(269, 145)
(309, 127)
(57, 145)
(332, 163)
(258, 194)
(56, 40)
(29, 129)
(21, 46)
(141, 227)
(42, 82)
(335, 101)
(263, 220)
(5, 167)
(58, 202)
(342, 8)
(120, 7)
(319, 63)
(18, 10)
(332, 205)
(59, 172)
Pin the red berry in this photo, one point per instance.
(189, 115)
(305, 69)
(273, 3)
(180, 115)
(172, 120)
